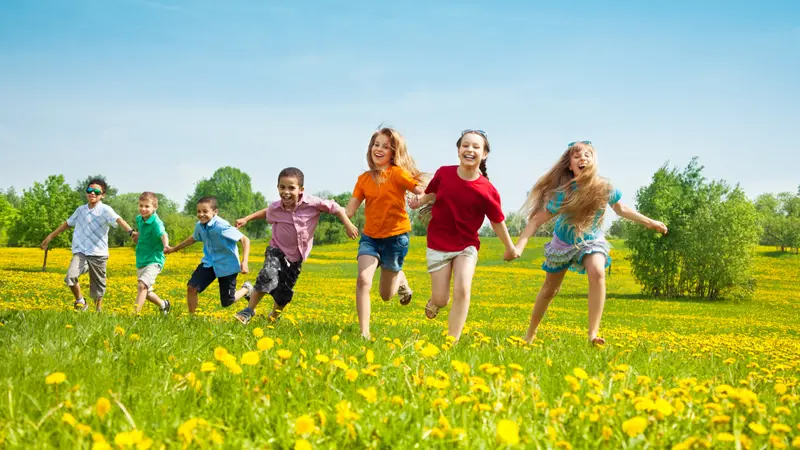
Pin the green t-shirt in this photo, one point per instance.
(150, 249)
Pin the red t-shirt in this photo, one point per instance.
(459, 210)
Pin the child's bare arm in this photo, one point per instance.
(629, 213)
(60, 229)
(418, 190)
(352, 206)
(501, 230)
(245, 253)
(165, 240)
(420, 201)
(262, 215)
(349, 228)
(533, 224)
(187, 242)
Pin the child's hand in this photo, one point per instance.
(511, 254)
(168, 249)
(413, 202)
(351, 230)
(241, 222)
(245, 267)
(658, 226)
(45, 243)
(135, 237)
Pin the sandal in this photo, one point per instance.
(598, 341)
(431, 310)
(244, 315)
(405, 293)
(80, 305)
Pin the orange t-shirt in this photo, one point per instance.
(385, 209)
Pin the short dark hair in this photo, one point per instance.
(292, 172)
(150, 197)
(210, 200)
(100, 182)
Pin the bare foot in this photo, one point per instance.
(597, 341)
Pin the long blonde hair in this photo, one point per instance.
(580, 205)
(400, 156)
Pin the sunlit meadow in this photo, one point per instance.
(674, 374)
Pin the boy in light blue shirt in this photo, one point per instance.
(220, 256)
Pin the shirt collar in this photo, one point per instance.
(211, 222)
(150, 219)
(300, 200)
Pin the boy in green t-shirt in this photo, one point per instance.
(153, 239)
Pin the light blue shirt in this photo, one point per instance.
(219, 240)
(563, 229)
(91, 229)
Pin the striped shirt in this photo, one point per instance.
(91, 229)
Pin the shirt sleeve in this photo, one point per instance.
(614, 196)
(494, 210)
(404, 179)
(110, 216)
(197, 236)
(433, 185)
(231, 233)
(326, 206)
(73, 218)
(555, 203)
(358, 190)
(160, 229)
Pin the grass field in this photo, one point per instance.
(675, 374)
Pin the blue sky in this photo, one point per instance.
(157, 94)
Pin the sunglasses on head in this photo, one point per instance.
(91, 190)
(581, 142)
(481, 132)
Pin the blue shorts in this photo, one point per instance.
(390, 251)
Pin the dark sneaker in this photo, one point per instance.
(245, 315)
(405, 293)
(167, 307)
(80, 305)
(249, 286)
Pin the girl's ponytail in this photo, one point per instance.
(483, 168)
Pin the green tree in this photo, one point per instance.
(235, 197)
(42, 209)
(8, 217)
(12, 197)
(330, 230)
(713, 232)
(619, 228)
(780, 218)
(81, 185)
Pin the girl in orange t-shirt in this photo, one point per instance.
(384, 241)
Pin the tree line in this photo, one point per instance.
(714, 227)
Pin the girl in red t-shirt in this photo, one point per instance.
(463, 198)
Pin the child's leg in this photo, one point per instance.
(201, 278)
(153, 298)
(97, 279)
(463, 271)
(192, 298)
(147, 278)
(440, 285)
(77, 267)
(392, 255)
(389, 283)
(284, 291)
(367, 265)
(228, 294)
(552, 283)
(595, 269)
(141, 295)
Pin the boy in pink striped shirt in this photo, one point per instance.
(294, 218)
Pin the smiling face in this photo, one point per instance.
(205, 212)
(471, 151)
(93, 197)
(581, 157)
(289, 189)
(381, 151)
(146, 208)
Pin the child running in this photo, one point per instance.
(90, 243)
(294, 218)
(153, 239)
(573, 192)
(384, 241)
(463, 197)
(220, 256)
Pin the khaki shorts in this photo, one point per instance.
(148, 274)
(96, 266)
(438, 260)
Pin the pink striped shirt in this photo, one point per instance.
(293, 231)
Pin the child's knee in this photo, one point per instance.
(363, 280)
(191, 290)
(596, 275)
(141, 286)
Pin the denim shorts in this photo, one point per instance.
(390, 251)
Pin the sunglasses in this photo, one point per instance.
(576, 142)
(91, 190)
(481, 132)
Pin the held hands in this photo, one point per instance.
(351, 230)
(168, 249)
(135, 237)
(658, 226)
(413, 202)
(512, 254)
(241, 222)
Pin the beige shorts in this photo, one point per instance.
(95, 265)
(148, 274)
(438, 260)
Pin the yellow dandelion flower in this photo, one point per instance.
(725, 437)
(265, 344)
(68, 419)
(515, 366)
(440, 403)
(304, 425)
(757, 428)
(250, 358)
(370, 357)
(607, 432)
(119, 331)
(335, 338)
(780, 389)
(55, 378)
(796, 442)
(302, 444)
(397, 400)
(220, 353)
(370, 394)
(351, 375)
(430, 350)
(507, 432)
(461, 399)
(208, 366)
(322, 358)
(781, 428)
(580, 373)
(564, 444)
(783, 410)
(258, 332)
(102, 407)
(134, 337)
(635, 426)
(284, 354)
(721, 419)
